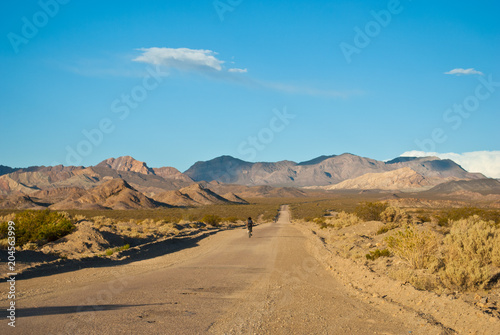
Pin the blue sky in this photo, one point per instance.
(173, 82)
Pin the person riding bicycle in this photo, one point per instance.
(249, 225)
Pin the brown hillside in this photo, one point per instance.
(193, 195)
(19, 201)
(234, 198)
(113, 194)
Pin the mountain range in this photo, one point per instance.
(323, 171)
(126, 183)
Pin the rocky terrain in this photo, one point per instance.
(141, 186)
(321, 171)
(400, 179)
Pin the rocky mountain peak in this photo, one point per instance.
(126, 163)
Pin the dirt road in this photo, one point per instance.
(228, 284)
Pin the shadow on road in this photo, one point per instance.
(148, 251)
(59, 310)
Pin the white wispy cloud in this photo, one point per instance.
(206, 63)
(485, 162)
(236, 70)
(181, 58)
(460, 72)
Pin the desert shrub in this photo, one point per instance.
(211, 220)
(420, 279)
(395, 215)
(370, 211)
(321, 222)
(344, 219)
(111, 251)
(377, 253)
(495, 254)
(231, 219)
(38, 227)
(469, 250)
(445, 217)
(79, 217)
(416, 247)
(422, 216)
(100, 221)
(387, 227)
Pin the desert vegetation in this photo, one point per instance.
(450, 250)
(37, 227)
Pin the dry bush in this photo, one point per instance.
(148, 222)
(387, 227)
(395, 215)
(370, 211)
(170, 228)
(420, 279)
(377, 253)
(417, 247)
(470, 248)
(100, 221)
(344, 219)
(79, 217)
(212, 220)
(495, 254)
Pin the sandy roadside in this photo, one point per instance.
(449, 314)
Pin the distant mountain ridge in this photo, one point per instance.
(321, 171)
(126, 183)
(401, 179)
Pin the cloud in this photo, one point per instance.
(235, 70)
(181, 58)
(460, 72)
(205, 62)
(485, 162)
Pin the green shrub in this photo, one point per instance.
(370, 211)
(212, 220)
(416, 247)
(39, 227)
(377, 253)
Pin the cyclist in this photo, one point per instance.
(249, 226)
